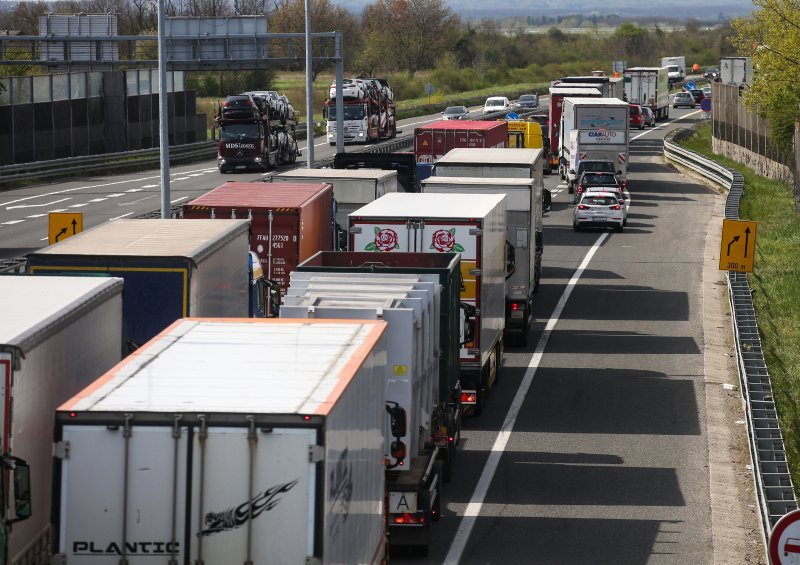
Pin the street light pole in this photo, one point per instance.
(309, 92)
(163, 106)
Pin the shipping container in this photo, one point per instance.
(229, 441)
(289, 222)
(57, 335)
(172, 269)
(557, 95)
(648, 86)
(442, 223)
(736, 70)
(434, 140)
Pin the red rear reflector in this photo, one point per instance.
(515, 306)
(583, 207)
(451, 439)
(73, 414)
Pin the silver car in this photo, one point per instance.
(598, 209)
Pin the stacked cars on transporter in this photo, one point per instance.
(255, 131)
(369, 111)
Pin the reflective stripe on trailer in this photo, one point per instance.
(582, 156)
(621, 158)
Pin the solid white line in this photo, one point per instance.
(665, 124)
(118, 217)
(473, 510)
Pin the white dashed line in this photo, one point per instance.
(134, 190)
(118, 217)
(178, 199)
(36, 216)
(146, 186)
(57, 210)
(36, 205)
(12, 222)
(79, 205)
(181, 178)
(98, 199)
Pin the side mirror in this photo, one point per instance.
(20, 484)
(469, 322)
(397, 419)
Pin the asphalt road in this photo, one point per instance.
(604, 458)
(593, 447)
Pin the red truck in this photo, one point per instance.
(436, 139)
(289, 222)
(557, 95)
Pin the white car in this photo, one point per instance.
(497, 104)
(616, 191)
(598, 209)
(352, 89)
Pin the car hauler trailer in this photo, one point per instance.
(171, 268)
(443, 223)
(57, 335)
(229, 441)
(289, 222)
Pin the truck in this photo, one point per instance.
(609, 87)
(432, 141)
(444, 223)
(736, 70)
(369, 114)
(171, 268)
(228, 441)
(594, 129)
(289, 222)
(352, 188)
(648, 86)
(557, 95)
(410, 307)
(524, 243)
(676, 69)
(446, 268)
(252, 137)
(57, 335)
(402, 162)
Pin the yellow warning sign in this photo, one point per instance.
(738, 246)
(62, 225)
(400, 370)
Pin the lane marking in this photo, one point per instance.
(473, 510)
(98, 199)
(36, 216)
(118, 217)
(57, 210)
(178, 199)
(181, 178)
(12, 222)
(115, 195)
(665, 124)
(44, 239)
(146, 186)
(79, 205)
(134, 190)
(37, 205)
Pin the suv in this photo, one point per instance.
(496, 104)
(591, 166)
(597, 179)
(683, 99)
(636, 116)
(528, 101)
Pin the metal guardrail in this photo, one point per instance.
(773, 482)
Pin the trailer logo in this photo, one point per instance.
(341, 489)
(593, 122)
(131, 548)
(444, 241)
(233, 518)
(240, 145)
(385, 240)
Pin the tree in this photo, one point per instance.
(771, 36)
(411, 33)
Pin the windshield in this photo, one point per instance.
(527, 98)
(455, 110)
(350, 112)
(599, 179)
(494, 102)
(233, 132)
(673, 69)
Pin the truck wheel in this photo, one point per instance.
(477, 409)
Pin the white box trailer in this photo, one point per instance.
(736, 70)
(473, 225)
(649, 86)
(523, 240)
(594, 128)
(57, 335)
(352, 188)
(229, 441)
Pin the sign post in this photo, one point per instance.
(738, 246)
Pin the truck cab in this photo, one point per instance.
(241, 146)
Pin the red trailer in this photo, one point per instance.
(557, 95)
(297, 218)
(436, 139)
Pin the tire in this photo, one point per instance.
(575, 226)
(618, 228)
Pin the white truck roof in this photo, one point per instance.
(402, 204)
(481, 181)
(577, 100)
(491, 156)
(274, 366)
(33, 307)
(574, 90)
(379, 174)
(644, 69)
(150, 237)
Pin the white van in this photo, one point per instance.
(497, 104)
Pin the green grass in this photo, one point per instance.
(775, 277)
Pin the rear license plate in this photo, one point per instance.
(241, 166)
(400, 502)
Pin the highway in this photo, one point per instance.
(594, 446)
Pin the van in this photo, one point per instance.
(497, 104)
(636, 117)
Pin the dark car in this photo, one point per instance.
(697, 94)
(597, 179)
(528, 101)
(636, 117)
(712, 73)
(456, 113)
(592, 166)
(240, 106)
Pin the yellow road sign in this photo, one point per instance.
(738, 246)
(63, 225)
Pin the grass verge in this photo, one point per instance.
(775, 276)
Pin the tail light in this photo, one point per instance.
(408, 518)
(615, 207)
(515, 306)
(583, 207)
(467, 397)
(398, 450)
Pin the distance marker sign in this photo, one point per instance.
(738, 246)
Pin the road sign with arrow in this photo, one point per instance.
(738, 246)
(63, 225)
